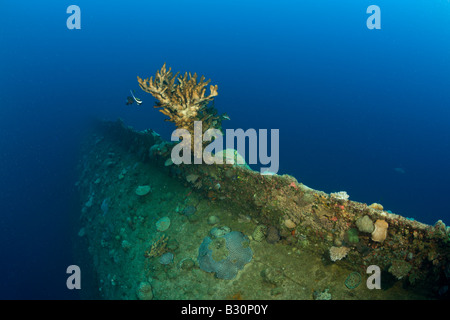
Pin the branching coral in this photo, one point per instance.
(158, 248)
(183, 99)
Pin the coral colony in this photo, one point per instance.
(183, 100)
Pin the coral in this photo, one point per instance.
(338, 253)
(213, 220)
(142, 190)
(82, 232)
(183, 99)
(168, 162)
(191, 178)
(260, 233)
(225, 255)
(186, 264)
(365, 224)
(272, 235)
(189, 211)
(352, 235)
(441, 230)
(289, 224)
(380, 232)
(158, 248)
(105, 205)
(341, 195)
(126, 245)
(160, 149)
(163, 224)
(353, 280)
(166, 258)
(217, 232)
(400, 268)
(376, 206)
(232, 156)
(324, 295)
(144, 292)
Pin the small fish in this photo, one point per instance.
(129, 100)
(132, 99)
(225, 117)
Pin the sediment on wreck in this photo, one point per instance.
(312, 220)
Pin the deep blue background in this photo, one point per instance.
(351, 104)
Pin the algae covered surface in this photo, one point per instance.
(133, 257)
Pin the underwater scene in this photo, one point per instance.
(246, 151)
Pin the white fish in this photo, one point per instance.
(138, 101)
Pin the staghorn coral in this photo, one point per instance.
(183, 99)
(158, 248)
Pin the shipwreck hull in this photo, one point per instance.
(412, 252)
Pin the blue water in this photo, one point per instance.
(351, 104)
